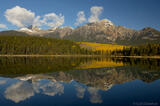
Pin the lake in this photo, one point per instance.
(73, 81)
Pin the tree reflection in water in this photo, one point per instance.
(48, 76)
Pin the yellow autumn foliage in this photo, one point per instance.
(100, 47)
(100, 64)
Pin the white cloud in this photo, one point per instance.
(20, 17)
(53, 20)
(95, 13)
(37, 21)
(80, 18)
(2, 26)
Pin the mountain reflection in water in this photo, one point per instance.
(78, 80)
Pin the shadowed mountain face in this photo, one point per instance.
(103, 31)
(13, 33)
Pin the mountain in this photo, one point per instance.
(60, 32)
(13, 33)
(103, 31)
(33, 30)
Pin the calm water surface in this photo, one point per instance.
(79, 81)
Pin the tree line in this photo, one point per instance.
(33, 45)
(141, 50)
(28, 45)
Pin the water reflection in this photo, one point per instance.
(19, 91)
(80, 91)
(95, 97)
(83, 78)
(22, 90)
(2, 82)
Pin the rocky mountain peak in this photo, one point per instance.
(103, 31)
(66, 27)
(103, 23)
(32, 27)
(106, 22)
(61, 28)
(148, 29)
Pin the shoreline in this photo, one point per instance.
(79, 56)
(50, 55)
(156, 57)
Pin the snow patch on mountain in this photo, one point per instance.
(25, 30)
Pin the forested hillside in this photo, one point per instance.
(38, 45)
(141, 50)
(32, 45)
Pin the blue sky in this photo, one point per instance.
(135, 14)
